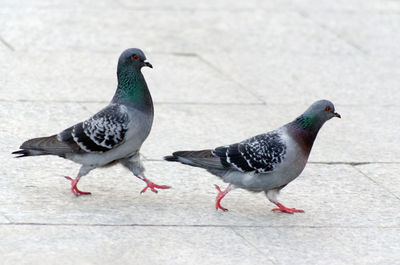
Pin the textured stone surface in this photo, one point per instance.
(223, 71)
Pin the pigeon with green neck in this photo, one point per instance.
(114, 134)
(266, 162)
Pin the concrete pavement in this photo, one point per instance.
(223, 71)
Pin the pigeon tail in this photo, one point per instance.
(23, 153)
(45, 146)
(171, 158)
(203, 158)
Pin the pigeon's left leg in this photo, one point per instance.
(272, 197)
(74, 182)
(134, 164)
(221, 195)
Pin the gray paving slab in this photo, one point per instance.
(343, 6)
(385, 175)
(60, 5)
(126, 245)
(288, 245)
(350, 80)
(374, 33)
(3, 219)
(68, 76)
(208, 5)
(26, 29)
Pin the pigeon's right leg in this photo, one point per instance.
(272, 197)
(221, 195)
(74, 182)
(136, 167)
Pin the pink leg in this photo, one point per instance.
(152, 186)
(221, 195)
(286, 210)
(74, 188)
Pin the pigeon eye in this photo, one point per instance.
(328, 108)
(135, 57)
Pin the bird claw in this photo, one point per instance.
(284, 209)
(74, 188)
(220, 195)
(152, 186)
(219, 206)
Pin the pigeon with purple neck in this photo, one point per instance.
(266, 162)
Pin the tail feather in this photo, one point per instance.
(171, 158)
(44, 146)
(202, 158)
(22, 153)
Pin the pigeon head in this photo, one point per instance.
(321, 111)
(307, 125)
(132, 88)
(132, 58)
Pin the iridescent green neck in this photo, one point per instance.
(305, 129)
(132, 88)
(306, 122)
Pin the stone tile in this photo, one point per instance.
(345, 7)
(28, 29)
(341, 196)
(209, 5)
(34, 119)
(83, 29)
(75, 76)
(287, 79)
(376, 33)
(59, 4)
(188, 79)
(124, 245)
(386, 175)
(5, 47)
(289, 245)
(58, 76)
(3, 219)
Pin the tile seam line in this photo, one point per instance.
(375, 182)
(252, 245)
(196, 226)
(6, 217)
(5, 43)
(330, 31)
(255, 95)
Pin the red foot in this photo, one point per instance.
(153, 186)
(75, 189)
(286, 210)
(221, 195)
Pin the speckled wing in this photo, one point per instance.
(100, 133)
(261, 153)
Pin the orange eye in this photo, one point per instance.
(135, 56)
(328, 108)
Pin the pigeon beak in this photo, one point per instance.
(148, 64)
(337, 115)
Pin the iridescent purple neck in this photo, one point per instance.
(304, 130)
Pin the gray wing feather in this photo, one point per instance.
(102, 132)
(261, 153)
